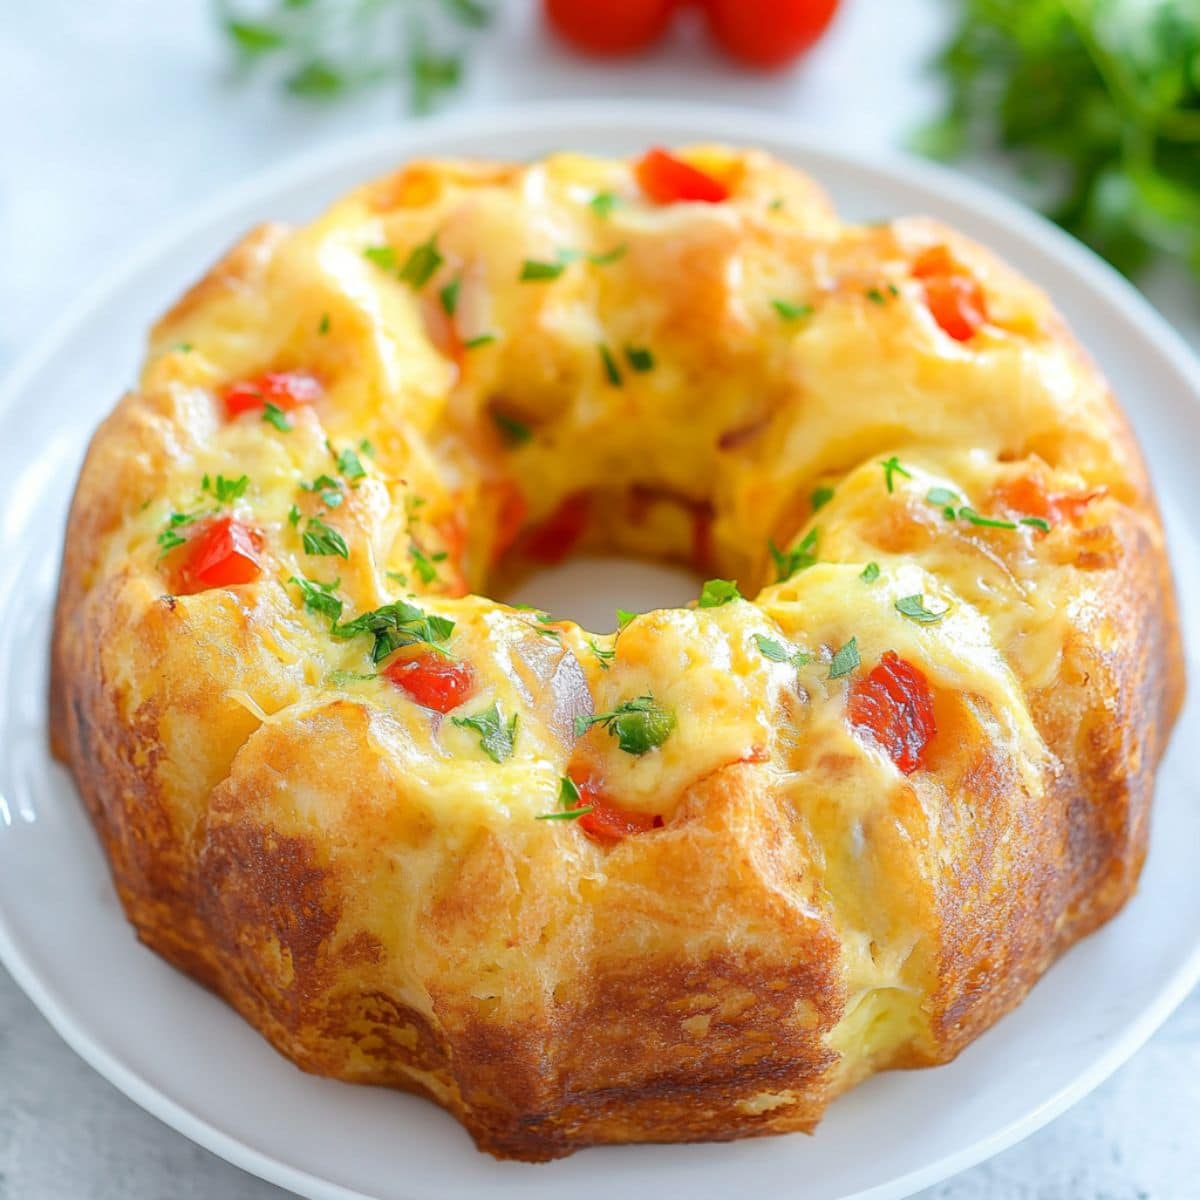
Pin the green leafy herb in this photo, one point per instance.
(624, 616)
(323, 326)
(821, 497)
(423, 563)
(321, 539)
(396, 625)
(602, 203)
(913, 607)
(170, 537)
(339, 678)
(891, 466)
(777, 652)
(484, 339)
(869, 573)
(717, 592)
(845, 660)
(969, 514)
(610, 365)
(1037, 523)
(293, 515)
(875, 296)
(608, 256)
(569, 807)
(639, 725)
(532, 269)
(350, 465)
(798, 558)
(791, 312)
(514, 432)
(319, 597)
(327, 488)
(639, 358)
(1097, 103)
(225, 490)
(274, 415)
(496, 736)
(382, 256)
(184, 347)
(603, 656)
(421, 263)
(448, 296)
(776, 204)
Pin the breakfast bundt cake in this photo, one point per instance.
(692, 879)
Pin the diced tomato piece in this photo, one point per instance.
(952, 294)
(552, 540)
(894, 705)
(511, 510)
(221, 553)
(433, 680)
(608, 822)
(1026, 496)
(666, 179)
(284, 389)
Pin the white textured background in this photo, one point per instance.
(118, 115)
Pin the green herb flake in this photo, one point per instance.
(322, 540)
(821, 496)
(603, 656)
(869, 573)
(395, 626)
(875, 296)
(969, 514)
(327, 488)
(792, 312)
(484, 339)
(717, 592)
(942, 496)
(639, 358)
(775, 205)
(776, 652)
(448, 296)
(891, 467)
(423, 563)
(533, 270)
(274, 415)
(608, 256)
(323, 325)
(513, 432)
(226, 490)
(610, 365)
(350, 465)
(603, 203)
(798, 558)
(639, 725)
(421, 263)
(319, 597)
(913, 607)
(1036, 523)
(496, 736)
(845, 660)
(293, 515)
(381, 256)
(624, 616)
(569, 808)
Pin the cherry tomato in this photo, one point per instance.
(433, 680)
(894, 705)
(767, 33)
(610, 27)
(555, 538)
(666, 179)
(284, 389)
(952, 293)
(608, 822)
(221, 553)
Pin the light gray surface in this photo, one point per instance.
(116, 117)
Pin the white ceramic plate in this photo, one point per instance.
(185, 1057)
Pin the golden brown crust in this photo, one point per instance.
(806, 915)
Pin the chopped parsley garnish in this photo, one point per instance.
(184, 347)
(602, 203)
(1037, 523)
(274, 415)
(367, 448)
(169, 538)
(777, 652)
(328, 488)
(639, 358)
(798, 558)
(891, 467)
(608, 256)
(639, 725)
(869, 573)
(449, 296)
(350, 465)
(821, 496)
(396, 625)
(969, 514)
(603, 657)
(323, 326)
(319, 597)
(496, 736)
(791, 312)
(225, 490)
(875, 296)
(483, 339)
(293, 515)
(321, 539)
(381, 256)
(568, 803)
(717, 592)
(423, 563)
(913, 607)
(845, 660)
(532, 269)
(610, 365)
(421, 263)
(776, 204)
(624, 616)
(945, 498)
(514, 432)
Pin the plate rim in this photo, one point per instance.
(737, 124)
